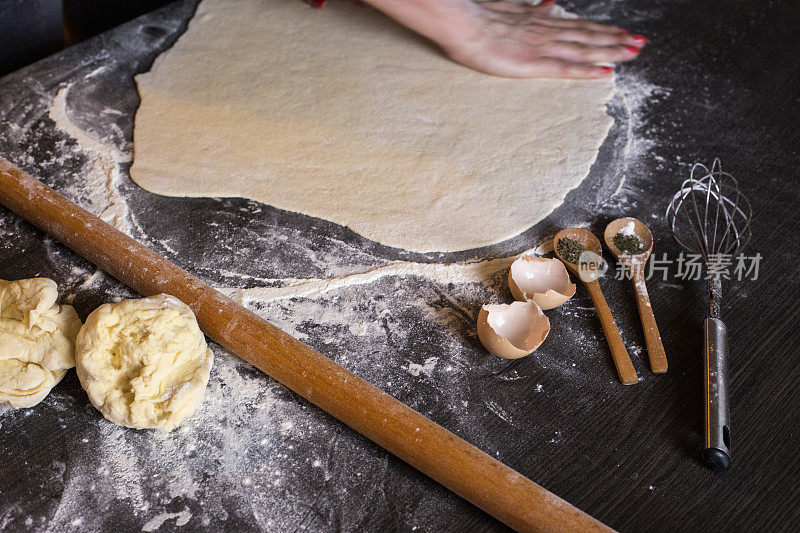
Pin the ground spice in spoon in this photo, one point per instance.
(569, 249)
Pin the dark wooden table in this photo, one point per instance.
(717, 80)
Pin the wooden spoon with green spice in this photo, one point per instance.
(569, 244)
(631, 243)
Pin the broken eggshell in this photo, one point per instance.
(543, 280)
(512, 330)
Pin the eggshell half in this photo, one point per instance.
(512, 330)
(541, 279)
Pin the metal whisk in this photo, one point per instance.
(710, 216)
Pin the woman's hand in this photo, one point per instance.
(524, 41)
(516, 40)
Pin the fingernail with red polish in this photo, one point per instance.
(543, 2)
(640, 39)
(606, 70)
(632, 49)
(318, 3)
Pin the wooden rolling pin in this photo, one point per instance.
(428, 447)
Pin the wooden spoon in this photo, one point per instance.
(588, 274)
(635, 264)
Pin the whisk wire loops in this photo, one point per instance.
(709, 215)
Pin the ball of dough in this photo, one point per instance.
(37, 340)
(144, 363)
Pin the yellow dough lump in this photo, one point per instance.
(37, 340)
(144, 363)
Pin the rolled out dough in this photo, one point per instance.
(344, 115)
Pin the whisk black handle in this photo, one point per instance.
(717, 453)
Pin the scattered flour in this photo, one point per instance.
(101, 196)
(628, 229)
(157, 521)
(466, 272)
(633, 96)
(425, 368)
